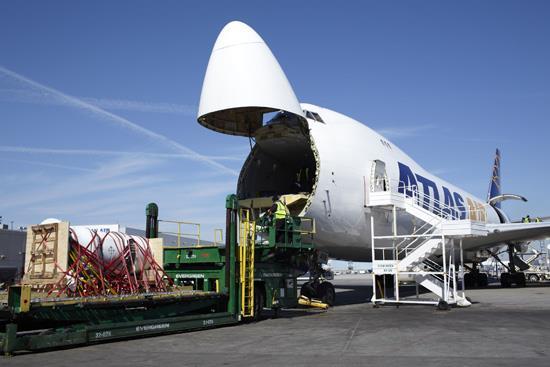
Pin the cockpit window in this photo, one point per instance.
(314, 116)
(317, 117)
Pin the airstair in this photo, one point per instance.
(424, 254)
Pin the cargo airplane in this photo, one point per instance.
(326, 164)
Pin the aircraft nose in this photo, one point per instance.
(236, 33)
(243, 81)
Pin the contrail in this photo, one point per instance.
(31, 150)
(46, 164)
(121, 104)
(75, 102)
(35, 97)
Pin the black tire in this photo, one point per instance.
(469, 280)
(483, 280)
(326, 293)
(533, 278)
(259, 301)
(519, 279)
(307, 290)
(443, 306)
(505, 280)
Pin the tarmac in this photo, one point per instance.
(503, 327)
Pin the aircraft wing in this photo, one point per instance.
(512, 232)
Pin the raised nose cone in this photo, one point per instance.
(236, 33)
(242, 82)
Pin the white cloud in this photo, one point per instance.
(124, 173)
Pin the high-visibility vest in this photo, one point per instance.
(281, 211)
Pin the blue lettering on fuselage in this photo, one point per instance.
(408, 185)
(407, 180)
(427, 185)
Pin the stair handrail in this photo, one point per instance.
(477, 213)
(437, 268)
(438, 207)
(434, 223)
(417, 231)
(409, 247)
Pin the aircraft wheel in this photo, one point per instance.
(519, 279)
(326, 293)
(307, 290)
(469, 280)
(259, 301)
(483, 280)
(533, 278)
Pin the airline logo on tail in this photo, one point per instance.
(494, 187)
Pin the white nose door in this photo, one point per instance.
(243, 82)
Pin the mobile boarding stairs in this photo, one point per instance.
(427, 255)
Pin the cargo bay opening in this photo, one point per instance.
(284, 161)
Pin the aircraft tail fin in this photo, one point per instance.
(494, 187)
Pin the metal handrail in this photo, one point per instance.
(410, 247)
(437, 272)
(479, 212)
(313, 229)
(417, 231)
(441, 209)
(417, 238)
(179, 234)
(216, 231)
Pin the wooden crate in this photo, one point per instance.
(46, 254)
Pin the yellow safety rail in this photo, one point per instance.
(218, 236)
(246, 257)
(179, 234)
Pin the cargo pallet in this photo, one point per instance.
(225, 285)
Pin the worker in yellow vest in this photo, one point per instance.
(279, 211)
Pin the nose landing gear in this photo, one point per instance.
(318, 288)
(321, 290)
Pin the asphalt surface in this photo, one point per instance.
(504, 327)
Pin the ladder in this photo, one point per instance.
(246, 261)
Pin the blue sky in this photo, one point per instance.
(98, 99)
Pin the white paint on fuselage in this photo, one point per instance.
(347, 149)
